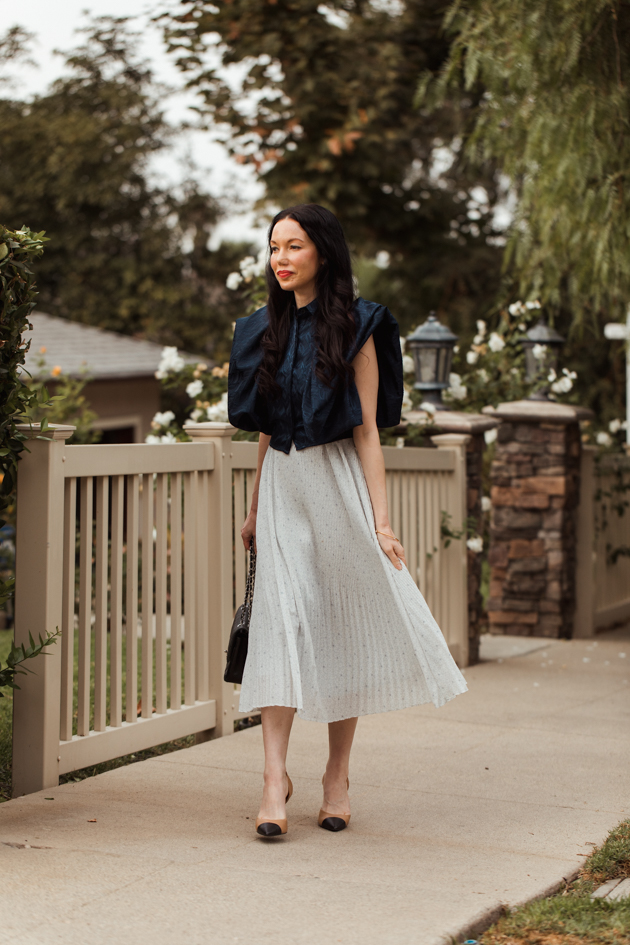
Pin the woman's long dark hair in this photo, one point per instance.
(336, 329)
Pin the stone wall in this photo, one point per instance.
(535, 492)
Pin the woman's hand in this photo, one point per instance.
(393, 549)
(248, 531)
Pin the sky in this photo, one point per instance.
(54, 25)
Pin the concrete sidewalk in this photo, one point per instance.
(492, 799)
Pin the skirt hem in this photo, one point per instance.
(378, 710)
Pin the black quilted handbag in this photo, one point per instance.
(239, 634)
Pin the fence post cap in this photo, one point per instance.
(54, 431)
(453, 421)
(539, 411)
(211, 428)
(451, 439)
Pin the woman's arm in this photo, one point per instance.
(248, 531)
(368, 444)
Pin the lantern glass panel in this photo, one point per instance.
(427, 363)
(445, 358)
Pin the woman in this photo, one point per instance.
(338, 627)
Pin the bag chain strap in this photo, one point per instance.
(249, 587)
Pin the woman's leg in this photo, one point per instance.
(276, 725)
(340, 736)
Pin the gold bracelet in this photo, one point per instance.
(393, 537)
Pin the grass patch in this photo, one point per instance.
(571, 917)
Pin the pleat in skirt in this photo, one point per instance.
(336, 630)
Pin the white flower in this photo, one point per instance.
(490, 436)
(406, 401)
(152, 439)
(477, 339)
(219, 411)
(456, 349)
(408, 364)
(196, 415)
(233, 280)
(456, 390)
(551, 376)
(539, 352)
(532, 305)
(603, 439)
(400, 442)
(194, 389)
(496, 342)
(168, 438)
(170, 363)
(483, 376)
(162, 419)
(565, 383)
(471, 357)
(517, 308)
(481, 327)
(522, 326)
(475, 544)
(428, 407)
(382, 259)
(486, 502)
(614, 426)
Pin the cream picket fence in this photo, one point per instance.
(603, 542)
(134, 553)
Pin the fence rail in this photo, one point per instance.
(134, 552)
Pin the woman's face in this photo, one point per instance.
(294, 260)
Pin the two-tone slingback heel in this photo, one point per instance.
(333, 822)
(274, 828)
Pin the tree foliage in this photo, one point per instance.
(124, 253)
(320, 99)
(17, 298)
(554, 115)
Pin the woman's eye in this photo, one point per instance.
(295, 247)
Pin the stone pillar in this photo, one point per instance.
(535, 493)
(474, 424)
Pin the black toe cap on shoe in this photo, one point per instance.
(334, 823)
(269, 830)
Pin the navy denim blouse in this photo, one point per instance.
(307, 411)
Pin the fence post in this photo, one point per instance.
(216, 573)
(38, 599)
(457, 633)
(583, 624)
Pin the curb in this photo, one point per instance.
(484, 919)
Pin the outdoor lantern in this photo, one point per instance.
(431, 345)
(538, 364)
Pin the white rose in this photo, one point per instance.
(428, 407)
(168, 438)
(163, 419)
(539, 352)
(486, 503)
(233, 280)
(408, 367)
(152, 439)
(194, 389)
(170, 362)
(219, 412)
(532, 305)
(490, 436)
(481, 327)
(496, 342)
(603, 439)
(614, 426)
(472, 357)
(475, 544)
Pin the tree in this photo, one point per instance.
(324, 110)
(124, 253)
(555, 117)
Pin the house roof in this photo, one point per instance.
(78, 349)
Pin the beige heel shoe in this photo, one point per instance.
(274, 828)
(333, 822)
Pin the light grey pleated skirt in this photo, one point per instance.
(336, 630)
